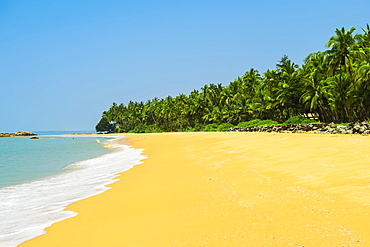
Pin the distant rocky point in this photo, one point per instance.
(19, 133)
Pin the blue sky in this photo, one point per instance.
(62, 63)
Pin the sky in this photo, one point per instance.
(62, 63)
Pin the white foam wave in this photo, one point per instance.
(27, 209)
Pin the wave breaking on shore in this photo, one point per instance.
(27, 209)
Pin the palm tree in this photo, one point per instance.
(315, 96)
(340, 54)
(341, 88)
(335, 84)
(289, 87)
(363, 40)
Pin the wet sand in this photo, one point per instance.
(230, 189)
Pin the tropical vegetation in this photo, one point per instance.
(330, 86)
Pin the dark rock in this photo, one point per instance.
(356, 126)
(19, 133)
(341, 130)
(366, 132)
(24, 133)
(362, 129)
(350, 131)
(5, 135)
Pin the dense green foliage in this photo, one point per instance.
(257, 122)
(104, 125)
(300, 120)
(332, 86)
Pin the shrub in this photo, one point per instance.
(153, 129)
(268, 122)
(198, 127)
(225, 126)
(138, 129)
(189, 129)
(342, 124)
(257, 122)
(249, 123)
(210, 127)
(300, 120)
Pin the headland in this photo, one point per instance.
(19, 133)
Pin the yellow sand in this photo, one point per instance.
(230, 189)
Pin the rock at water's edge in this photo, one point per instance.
(19, 133)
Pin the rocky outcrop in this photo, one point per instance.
(352, 128)
(19, 133)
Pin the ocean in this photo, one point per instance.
(39, 178)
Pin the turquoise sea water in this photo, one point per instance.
(40, 177)
(23, 159)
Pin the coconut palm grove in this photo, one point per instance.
(331, 86)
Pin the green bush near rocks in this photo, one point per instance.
(257, 122)
(300, 120)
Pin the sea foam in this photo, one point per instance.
(27, 209)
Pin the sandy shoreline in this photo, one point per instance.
(230, 189)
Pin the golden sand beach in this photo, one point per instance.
(230, 189)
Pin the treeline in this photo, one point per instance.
(332, 86)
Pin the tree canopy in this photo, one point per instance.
(104, 125)
(332, 85)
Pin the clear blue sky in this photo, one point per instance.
(62, 63)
